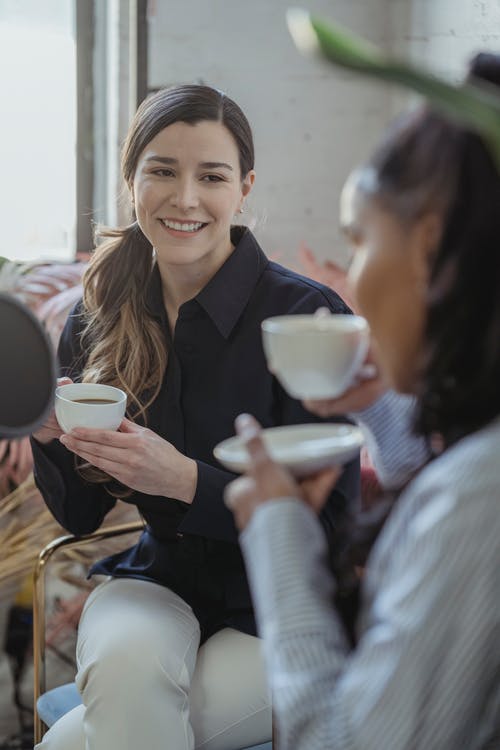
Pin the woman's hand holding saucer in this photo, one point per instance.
(266, 480)
(138, 458)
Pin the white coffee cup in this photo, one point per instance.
(315, 357)
(89, 405)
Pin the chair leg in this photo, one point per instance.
(39, 637)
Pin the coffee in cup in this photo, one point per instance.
(315, 357)
(89, 405)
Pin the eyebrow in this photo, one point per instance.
(204, 164)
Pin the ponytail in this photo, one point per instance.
(125, 344)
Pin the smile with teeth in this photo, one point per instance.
(184, 226)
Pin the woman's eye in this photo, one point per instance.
(212, 178)
(163, 172)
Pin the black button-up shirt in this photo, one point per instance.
(216, 370)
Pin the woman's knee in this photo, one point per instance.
(227, 711)
(136, 630)
(66, 734)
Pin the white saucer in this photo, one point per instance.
(303, 448)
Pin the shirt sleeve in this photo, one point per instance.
(429, 635)
(208, 502)
(396, 451)
(78, 506)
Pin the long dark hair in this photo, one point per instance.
(427, 163)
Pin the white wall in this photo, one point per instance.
(311, 124)
(444, 34)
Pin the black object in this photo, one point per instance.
(22, 741)
(18, 640)
(27, 370)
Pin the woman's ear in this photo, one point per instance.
(247, 183)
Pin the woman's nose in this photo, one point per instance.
(184, 195)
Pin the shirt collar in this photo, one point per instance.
(225, 296)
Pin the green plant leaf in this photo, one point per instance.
(475, 106)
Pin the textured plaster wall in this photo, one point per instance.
(311, 123)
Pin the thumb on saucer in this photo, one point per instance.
(322, 312)
(250, 431)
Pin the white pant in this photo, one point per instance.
(146, 686)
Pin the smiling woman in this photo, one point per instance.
(171, 315)
(185, 200)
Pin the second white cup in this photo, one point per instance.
(315, 357)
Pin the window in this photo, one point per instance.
(38, 129)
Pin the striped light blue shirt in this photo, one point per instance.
(425, 674)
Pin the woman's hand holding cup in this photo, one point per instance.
(366, 388)
(51, 430)
(325, 360)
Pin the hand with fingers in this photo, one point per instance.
(368, 386)
(266, 480)
(138, 458)
(51, 429)
(365, 390)
(19, 462)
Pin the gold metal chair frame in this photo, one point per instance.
(68, 542)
